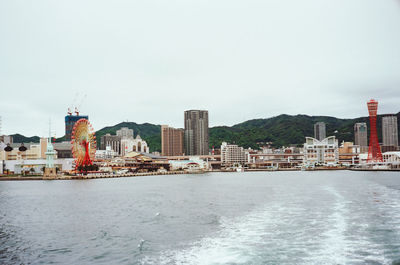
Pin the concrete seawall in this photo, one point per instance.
(98, 176)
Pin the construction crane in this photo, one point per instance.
(72, 104)
(77, 107)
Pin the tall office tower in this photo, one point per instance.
(171, 141)
(389, 131)
(125, 133)
(319, 131)
(196, 132)
(361, 134)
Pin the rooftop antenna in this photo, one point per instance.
(49, 130)
(51, 133)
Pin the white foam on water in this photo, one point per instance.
(276, 234)
(333, 243)
(341, 245)
(385, 201)
(237, 242)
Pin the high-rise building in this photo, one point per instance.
(361, 134)
(171, 141)
(70, 121)
(319, 131)
(389, 131)
(125, 133)
(196, 132)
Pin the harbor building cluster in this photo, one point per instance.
(188, 149)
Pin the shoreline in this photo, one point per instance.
(102, 176)
(89, 176)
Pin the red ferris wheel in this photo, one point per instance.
(83, 143)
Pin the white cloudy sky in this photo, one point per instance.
(149, 60)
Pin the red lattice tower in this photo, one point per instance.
(374, 151)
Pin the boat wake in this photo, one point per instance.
(291, 230)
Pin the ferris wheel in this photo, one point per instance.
(83, 143)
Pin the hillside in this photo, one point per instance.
(18, 138)
(285, 129)
(280, 130)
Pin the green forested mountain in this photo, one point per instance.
(18, 138)
(280, 130)
(286, 129)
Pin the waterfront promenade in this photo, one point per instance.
(97, 176)
(109, 175)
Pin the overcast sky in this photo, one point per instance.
(148, 61)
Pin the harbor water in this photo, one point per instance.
(320, 217)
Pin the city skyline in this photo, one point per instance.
(199, 132)
(179, 126)
(137, 61)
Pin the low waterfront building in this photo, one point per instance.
(24, 151)
(268, 158)
(232, 154)
(392, 158)
(145, 162)
(106, 154)
(36, 166)
(35, 150)
(192, 162)
(348, 153)
(63, 149)
(324, 152)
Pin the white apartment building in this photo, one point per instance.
(232, 154)
(324, 152)
(134, 144)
